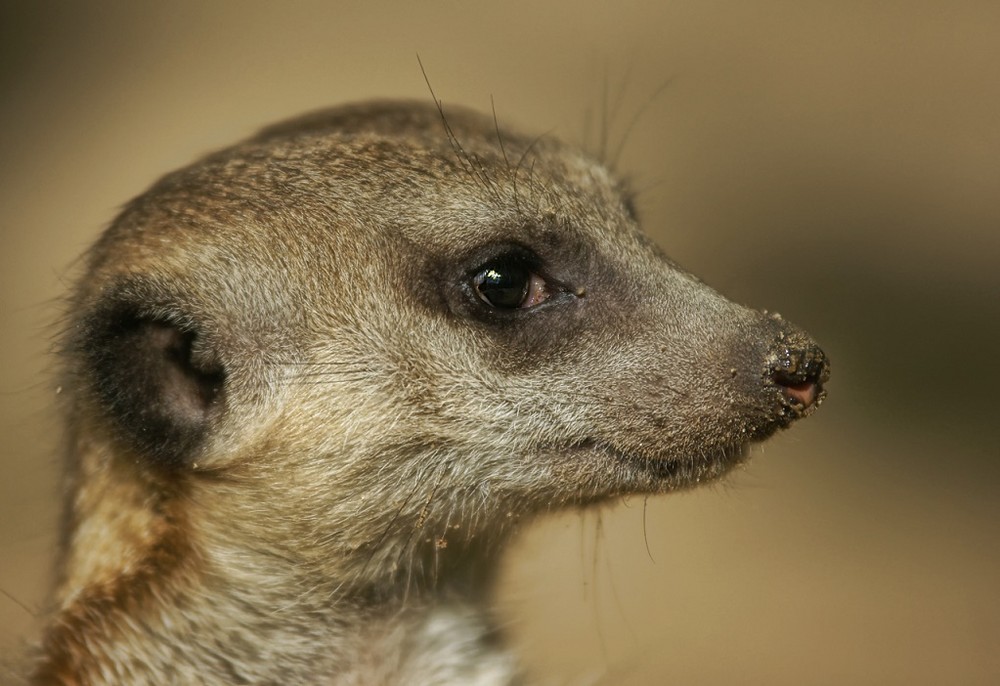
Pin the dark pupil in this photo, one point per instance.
(503, 285)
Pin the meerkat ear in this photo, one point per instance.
(155, 379)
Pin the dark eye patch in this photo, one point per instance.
(512, 282)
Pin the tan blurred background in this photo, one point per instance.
(839, 162)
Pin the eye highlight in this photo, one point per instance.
(510, 284)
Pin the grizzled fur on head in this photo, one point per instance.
(305, 414)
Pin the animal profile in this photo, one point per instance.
(317, 380)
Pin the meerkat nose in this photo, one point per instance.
(802, 393)
(801, 374)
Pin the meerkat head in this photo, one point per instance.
(374, 331)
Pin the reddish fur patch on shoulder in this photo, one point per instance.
(79, 643)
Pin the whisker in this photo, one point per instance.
(613, 162)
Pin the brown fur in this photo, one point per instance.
(299, 436)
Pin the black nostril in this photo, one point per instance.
(801, 372)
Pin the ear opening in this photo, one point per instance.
(154, 379)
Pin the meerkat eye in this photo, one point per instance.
(510, 284)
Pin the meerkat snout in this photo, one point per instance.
(317, 379)
(798, 367)
(801, 373)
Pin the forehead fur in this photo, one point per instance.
(357, 180)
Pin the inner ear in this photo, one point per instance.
(156, 380)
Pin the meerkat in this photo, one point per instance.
(317, 380)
